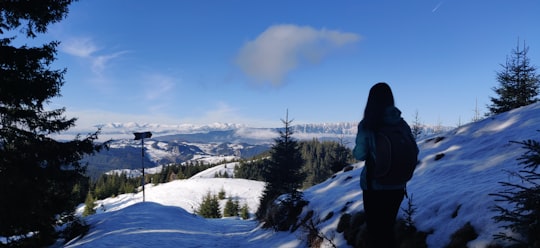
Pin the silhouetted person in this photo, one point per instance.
(381, 200)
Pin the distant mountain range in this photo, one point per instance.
(181, 143)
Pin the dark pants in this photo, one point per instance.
(381, 207)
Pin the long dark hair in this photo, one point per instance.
(379, 99)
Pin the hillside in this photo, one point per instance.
(451, 187)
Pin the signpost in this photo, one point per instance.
(142, 136)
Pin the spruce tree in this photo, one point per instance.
(244, 212)
(222, 194)
(209, 207)
(37, 172)
(89, 205)
(416, 127)
(283, 173)
(523, 212)
(231, 209)
(340, 157)
(519, 84)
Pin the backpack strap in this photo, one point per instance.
(369, 173)
(370, 160)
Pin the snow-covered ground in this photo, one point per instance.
(448, 192)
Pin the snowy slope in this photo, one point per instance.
(448, 193)
(188, 194)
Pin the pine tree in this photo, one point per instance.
(244, 212)
(523, 215)
(37, 173)
(340, 157)
(519, 84)
(283, 172)
(314, 166)
(231, 208)
(222, 194)
(89, 205)
(476, 111)
(252, 169)
(416, 127)
(209, 207)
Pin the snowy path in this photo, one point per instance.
(153, 225)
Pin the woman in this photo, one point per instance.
(381, 201)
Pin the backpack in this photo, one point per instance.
(396, 155)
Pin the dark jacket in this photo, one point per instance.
(365, 142)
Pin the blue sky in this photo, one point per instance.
(200, 62)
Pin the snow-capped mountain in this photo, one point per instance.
(125, 154)
(181, 143)
(230, 132)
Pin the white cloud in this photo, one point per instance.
(437, 7)
(85, 48)
(222, 112)
(88, 119)
(158, 86)
(100, 63)
(157, 90)
(79, 47)
(281, 48)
